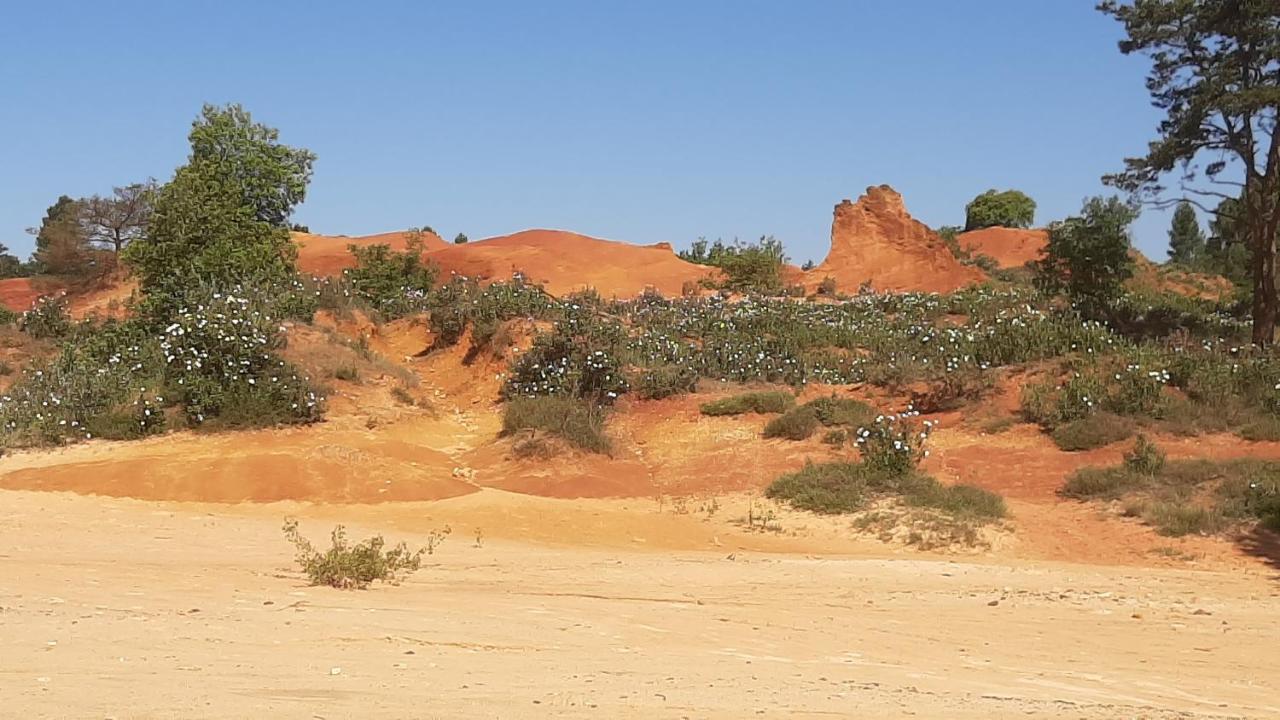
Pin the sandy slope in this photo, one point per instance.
(125, 609)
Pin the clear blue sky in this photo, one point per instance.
(648, 121)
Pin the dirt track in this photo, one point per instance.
(120, 608)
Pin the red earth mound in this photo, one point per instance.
(17, 294)
(330, 255)
(875, 241)
(565, 262)
(1009, 247)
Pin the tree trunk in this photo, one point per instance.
(1262, 211)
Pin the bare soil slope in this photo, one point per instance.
(330, 255)
(875, 240)
(1009, 247)
(565, 262)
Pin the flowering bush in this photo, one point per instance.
(47, 318)
(219, 355)
(894, 443)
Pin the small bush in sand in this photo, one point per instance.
(796, 424)
(1097, 430)
(768, 401)
(355, 567)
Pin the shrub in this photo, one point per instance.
(1145, 458)
(834, 411)
(402, 396)
(843, 487)
(565, 362)
(348, 373)
(959, 500)
(1177, 519)
(1264, 429)
(578, 422)
(218, 353)
(1096, 431)
(665, 381)
(1093, 483)
(796, 424)
(762, 402)
(393, 283)
(355, 567)
(893, 444)
(534, 447)
(47, 318)
(827, 287)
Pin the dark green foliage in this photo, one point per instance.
(11, 266)
(1095, 431)
(578, 422)
(1087, 257)
(795, 424)
(843, 487)
(1186, 239)
(572, 360)
(460, 239)
(223, 218)
(747, 267)
(1100, 483)
(355, 567)
(393, 283)
(1010, 208)
(763, 402)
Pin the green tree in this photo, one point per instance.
(1186, 239)
(224, 217)
(10, 265)
(1087, 257)
(62, 247)
(1010, 208)
(1227, 251)
(1214, 74)
(460, 239)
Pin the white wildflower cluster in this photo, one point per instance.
(894, 443)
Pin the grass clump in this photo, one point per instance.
(578, 422)
(1185, 497)
(761, 402)
(845, 487)
(355, 567)
(1095, 431)
(796, 424)
(841, 412)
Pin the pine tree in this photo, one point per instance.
(1186, 239)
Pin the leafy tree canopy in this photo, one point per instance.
(1087, 257)
(992, 208)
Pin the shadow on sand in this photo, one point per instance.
(1264, 545)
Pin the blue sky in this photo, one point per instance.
(645, 122)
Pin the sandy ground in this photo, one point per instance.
(151, 579)
(115, 608)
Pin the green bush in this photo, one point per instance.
(1095, 431)
(1094, 483)
(795, 424)
(355, 567)
(1145, 458)
(393, 283)
(578, 422)
(47, 318)
(844, 487)
(1010, 208)
(762, 402)
(893, 444)
(665, 381)
(835, 411)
